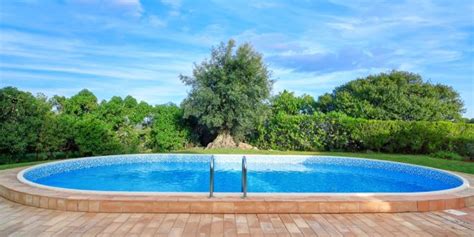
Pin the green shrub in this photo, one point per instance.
(335, 131)
(94, 137)
(168, 131)
(283, 132)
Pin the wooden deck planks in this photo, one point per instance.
(18, 220)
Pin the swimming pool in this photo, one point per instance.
(266, 174)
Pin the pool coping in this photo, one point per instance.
(13, 189)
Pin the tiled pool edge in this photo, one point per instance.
(12, 189)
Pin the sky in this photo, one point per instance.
(139, 48)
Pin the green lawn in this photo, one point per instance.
(453, 165)
(15, 165)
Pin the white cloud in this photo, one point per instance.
(279, 44)
(308, 82)
(175, 4)
(156, 22)
(50, 92)
(159, 94)
(131, 7)
(134, 6)
(264, 4)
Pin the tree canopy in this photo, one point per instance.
(229, 91)
(286, 102)
(80, 126)
(80, 104)
(22, 118)
(397, 95)
(229, 99)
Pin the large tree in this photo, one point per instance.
(287, 103)
(84, 102)
(228, 92)
(396, 95)
(21, 120)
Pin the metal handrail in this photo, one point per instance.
(244, 176)
(211, 177)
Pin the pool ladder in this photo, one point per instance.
(244, 177)
(211, 177)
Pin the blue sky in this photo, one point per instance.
(138, 48)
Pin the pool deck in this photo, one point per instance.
(14, 190)
(20, 220)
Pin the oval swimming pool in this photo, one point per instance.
(266, 174)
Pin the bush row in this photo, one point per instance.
(37, 128)
(337, 132)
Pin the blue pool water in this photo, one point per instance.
(190, 173)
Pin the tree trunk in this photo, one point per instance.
(223, 140)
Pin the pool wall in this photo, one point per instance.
(13, 189)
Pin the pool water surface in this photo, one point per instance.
(266, 174)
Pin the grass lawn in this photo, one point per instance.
(453, 165)
(15, 165)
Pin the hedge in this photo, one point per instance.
(337, 132)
